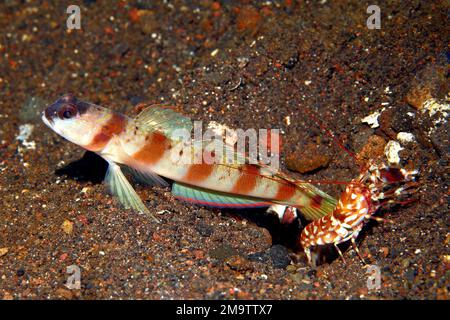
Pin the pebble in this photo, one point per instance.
(373, 149)
(20, 272)
(307, 160)
(384, 251)
(238, 263)
(428, 82)
(280, 256)
(204, 229)
(199, 254)
(67, 227)
(405, 263)
(85, 190)
(394, 120)
(7, 296)
(3, 251)
(223, 252)
(64, 293)
(248, 19)
(259, 257)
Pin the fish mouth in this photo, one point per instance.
(48, 121)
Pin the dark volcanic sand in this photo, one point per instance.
(272, 61)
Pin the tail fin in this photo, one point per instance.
(321, 204)
(314, 204)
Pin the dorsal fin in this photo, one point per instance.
(163, 119)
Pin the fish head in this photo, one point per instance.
(75, 120)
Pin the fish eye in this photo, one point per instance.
(67, 112)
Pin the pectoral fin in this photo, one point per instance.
(120, 187)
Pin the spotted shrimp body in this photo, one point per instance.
(358, 203)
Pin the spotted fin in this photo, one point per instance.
(215, 199)
(163, 119)
(326, 207)
(120, 187)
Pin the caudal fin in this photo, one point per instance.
(319, 203)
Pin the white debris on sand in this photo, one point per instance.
(433, 107)
(372, 119)
(391, 152)
(405, 137)
(25, 131)
(393, 147)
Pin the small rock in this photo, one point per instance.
(394, 120)
(418, 95)
(199, 254)
(189, 262)
(7, 296)
(307, 160)
(373, 149)
(248, 19)
(259, 257)
(292, 61)
(238, 263)
(384, 251)
(204, 229)
(85, 190)
(280, 256)
(3, 251)
(442, 294)
(223, 252)
(243, 295)
(64, 293)
(147, 21)
(430, 81)
(405, 263)
(67, 227)
(405, 137)
(372, 119)
(20, 272)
